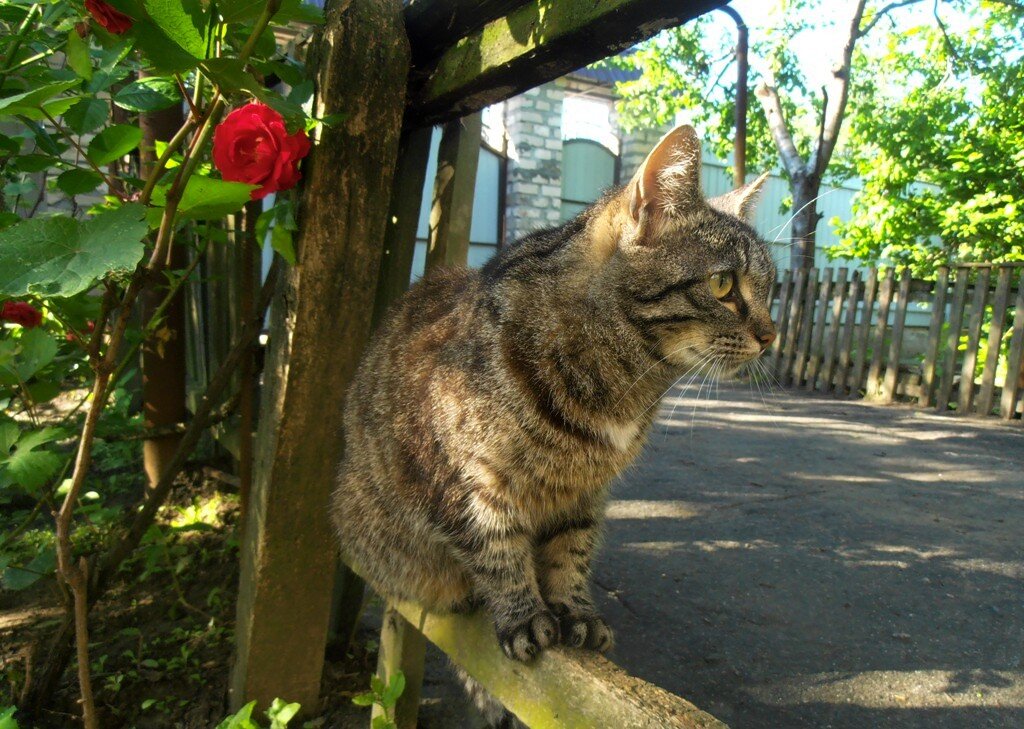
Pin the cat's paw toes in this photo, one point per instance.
(584, 630)
(524, 640)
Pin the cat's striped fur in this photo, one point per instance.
(494, 407)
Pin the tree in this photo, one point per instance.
(942, 162)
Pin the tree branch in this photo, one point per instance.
(882, 13)
(768, 95)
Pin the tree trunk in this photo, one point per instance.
(804, 222)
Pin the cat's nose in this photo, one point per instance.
(765, 338)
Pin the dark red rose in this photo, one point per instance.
(108, 16)
(19, 312)
(252, 145)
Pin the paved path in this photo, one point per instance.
(804, 562)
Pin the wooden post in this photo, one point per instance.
(1015, 357)
(983, 405)
(451, 209)
(892, 369)
(849, 327)
(829, 364)
(877, 350)
(818, 332)
(860, 361)
(795, 314)
(402, 648)
(966, 394)
(321, 322)
(785, 290)
(806, 328)
(956, 317)
(931, 351)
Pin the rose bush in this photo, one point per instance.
(253, 146)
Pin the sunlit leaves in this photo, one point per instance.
(148, 94)
(114, 142)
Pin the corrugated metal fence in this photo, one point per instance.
(855, 333)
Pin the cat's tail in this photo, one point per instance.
(493, 711)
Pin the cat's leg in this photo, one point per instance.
(501, 561)
(563, 562)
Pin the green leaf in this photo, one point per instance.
(28, 103)
(382, 722)
(59, 257)
(78, 181)
(395, 688)
(9, 432)
(87, 115)
(77, 51)
(146, 703)
(18, 578)
(281, 241)
(184, 28)
(163, 54)
(206, 198)
(32, 469)
(33, 162)
(34, 350)
(281, 712)
(113, 142)
(7, 720)
(237, 11)
(148, 94)
(363, 699)
(241, 719)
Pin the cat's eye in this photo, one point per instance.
(721, 284)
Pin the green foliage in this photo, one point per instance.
(280, 714)
(7, 720)
(384, 696)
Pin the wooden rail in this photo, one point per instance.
(955, 343)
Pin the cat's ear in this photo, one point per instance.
(742, 201)
(668, 182)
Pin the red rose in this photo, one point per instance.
(252, 145)
(19, 312)
(108, 16)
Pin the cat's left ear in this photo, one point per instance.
(741, 202)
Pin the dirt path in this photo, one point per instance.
(808, 562)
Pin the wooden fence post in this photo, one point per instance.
(451, 210)
(966, 394)
(983, 405)
(832, 340)
(931, 351)
(795, 314)
(1008, 401)
(860, 361)
(884, 303)
(818, 331)
(785, 291)
(806, 328)
(892, 369)
(849, 328)
(956, 318)
(321, 322)
(402, 648)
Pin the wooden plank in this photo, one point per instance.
(818, 330)
(966, 394)
(864, 334)
(931, 351)
(983, 405)
(785, 292)
(320, 322)
(793, 319)
(434, 26)
(832, 339)
(849, 328)
(535, 43)
(562, 687)
(451, 209)
(803, 347)
(896, 340)
(1015, 357)
(881, 324)
(402, 648)
(956, 318)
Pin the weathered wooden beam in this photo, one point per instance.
(451, 209)
(321, 322)
(535, 43)
(402, 648)
(434, 26)
(563, 687)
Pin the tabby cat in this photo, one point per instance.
(494, 407)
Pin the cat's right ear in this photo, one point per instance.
(667, 183)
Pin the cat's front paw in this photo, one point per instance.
(523, 640)
(583, 629)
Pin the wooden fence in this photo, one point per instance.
(855, 334)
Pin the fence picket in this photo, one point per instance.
(785, 291)
(832, 341)
(884, 302)
(818, 330)
(934, 334)
(956, 318)
(795, 315)
(849, 327)
(892, 369)
(966, 393)
(806, 328)
(1008, 401)
(860, 361)
(983, 404)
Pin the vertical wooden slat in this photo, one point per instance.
(795, 314)
(860, 361)
(806, 328)
(956, 318)
(878, 347)
(785, 292)
(451, 211)
(818, 333)
(832, 340)
(934, 334)
(849, 327)
(892, 370)
(402, 648)
(1008, 401)
(983, 404)
(966, 394)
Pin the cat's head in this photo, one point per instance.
(691, 274)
